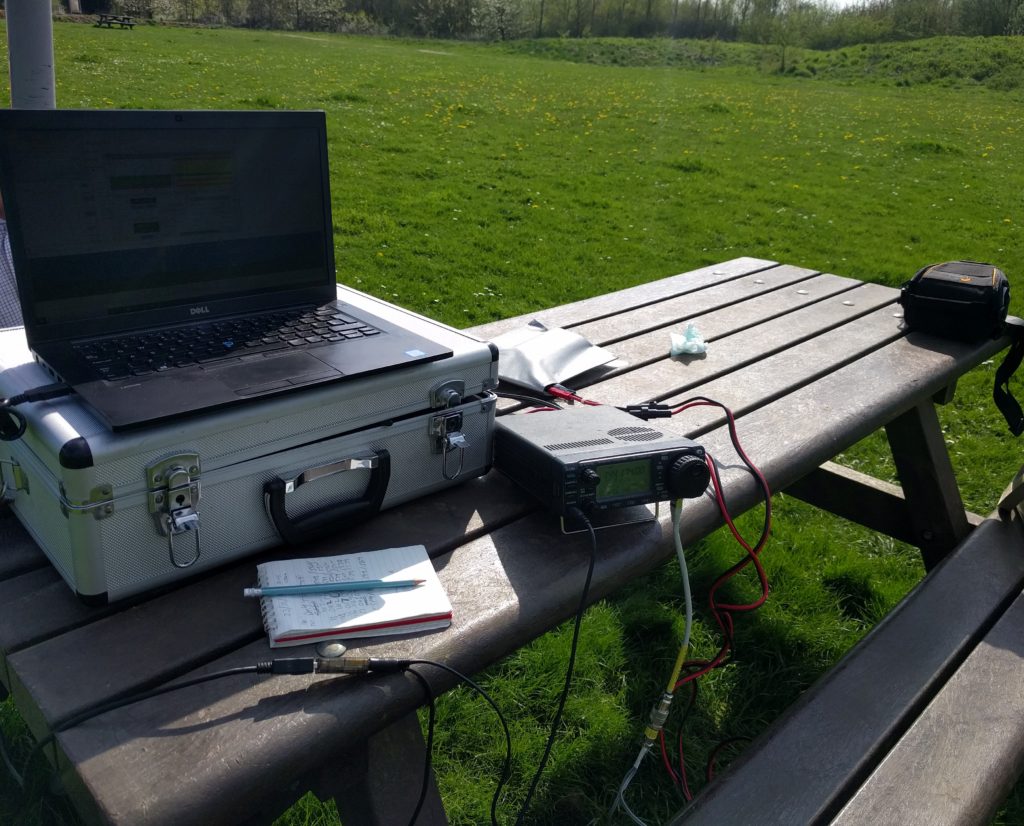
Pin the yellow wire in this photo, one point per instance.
(676, 669)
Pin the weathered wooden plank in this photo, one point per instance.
(742, 319)
(569, 315)
(961, 757)
(873, 503)
(880, 506)
(631, 322)
(836, 733)
(762, 381)
(724, 315)
(72, 663)
(783, 319)
(937, 512)
(818, 421)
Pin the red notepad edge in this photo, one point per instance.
(354, 631)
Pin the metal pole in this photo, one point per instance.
(30, 51)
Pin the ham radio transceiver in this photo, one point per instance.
(597, 459)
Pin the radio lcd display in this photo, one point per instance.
(621, 479)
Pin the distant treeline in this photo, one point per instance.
(784, 22)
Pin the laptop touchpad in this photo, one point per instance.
(295, 368)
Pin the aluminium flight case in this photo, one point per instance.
(121, 513)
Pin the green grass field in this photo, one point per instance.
(473, 182)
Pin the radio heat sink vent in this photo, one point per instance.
(579, 445)
(635, 434)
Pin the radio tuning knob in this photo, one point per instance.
(688, 477)
(590, 477)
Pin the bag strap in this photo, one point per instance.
(1001, 394)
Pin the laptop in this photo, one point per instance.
(171, 263)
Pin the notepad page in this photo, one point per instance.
(367, 613)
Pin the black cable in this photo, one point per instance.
(428, 758)
(296, 665)
(506, 769)
(103, 708)
(569, 669)
(530, 400)
(12, 422)
(709, 769)
(682, 786)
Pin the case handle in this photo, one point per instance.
(319, 522)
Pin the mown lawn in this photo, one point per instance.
(473, 183)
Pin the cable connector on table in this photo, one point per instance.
(560, 391)
(335, 665)
(12, 422)
(649, 410)
(39, 394)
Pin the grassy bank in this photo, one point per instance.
(995, 63)
(473, 182)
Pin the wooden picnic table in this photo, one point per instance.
(108, 21)
(811, 363)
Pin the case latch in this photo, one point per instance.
(19, 481)
(447, 394)
(446, 433)
(173, 497)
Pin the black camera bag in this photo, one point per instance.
(965, 300)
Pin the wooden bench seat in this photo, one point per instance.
(921, 722)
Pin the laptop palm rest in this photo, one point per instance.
(264, 373)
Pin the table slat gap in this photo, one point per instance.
(589, 309)
(677, 309)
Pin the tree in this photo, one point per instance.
(499, 19)
(990, 17)
(1016, 25)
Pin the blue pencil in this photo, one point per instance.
(330, 587)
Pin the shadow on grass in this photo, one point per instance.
(780, 651)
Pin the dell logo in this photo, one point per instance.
(203, 310)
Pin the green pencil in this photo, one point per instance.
(331, 587)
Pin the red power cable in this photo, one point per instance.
(564, 393)
(723, 611)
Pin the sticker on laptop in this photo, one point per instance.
(414, 354)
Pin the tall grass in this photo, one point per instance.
(471, 183)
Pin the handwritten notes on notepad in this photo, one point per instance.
(298, 619)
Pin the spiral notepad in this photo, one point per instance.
(294, 620)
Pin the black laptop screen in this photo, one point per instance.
(122, 215)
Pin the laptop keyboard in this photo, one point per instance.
(139, 354)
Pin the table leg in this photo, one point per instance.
(376, 783)
(926, 511)
(385, 791)
(936, 511)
